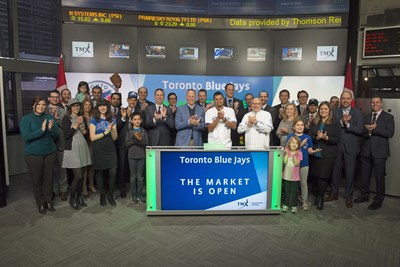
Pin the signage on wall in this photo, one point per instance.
(82, 49)
(327, 53)
(214, 180)
(88, 16)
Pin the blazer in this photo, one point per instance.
(329, 148)
(69, 131)
(149, 103)
(271, 110)
(377, 144)
(159, 131)
(185, 129)
(350, 139)
(122, 128)
(241, 111)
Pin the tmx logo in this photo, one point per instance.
(328, 53)
(83, 50)
(243, 204)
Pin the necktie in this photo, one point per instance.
(374, 118)
(311, 117)
(159, 110)
(115, 111)
(230, 103)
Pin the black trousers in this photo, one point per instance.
(379, 166)
(41, 171)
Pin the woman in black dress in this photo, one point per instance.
(325, 132)
(103, 133)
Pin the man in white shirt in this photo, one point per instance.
(257, 124)
(219, 121)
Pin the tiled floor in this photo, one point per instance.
(125, 236)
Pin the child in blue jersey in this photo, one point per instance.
(306, 149)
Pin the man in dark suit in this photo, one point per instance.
(202, 102)
(310, 115)
(284, 97)
(378, 128)
(143, 103)
(237, 105)
(352, 126)
(302, 97)
(120, 116)
(159, 121)
(65, 97)
(263, 95)
(172, 104)
(249, 100)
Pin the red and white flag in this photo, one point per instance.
(348, 83)
(61, 80)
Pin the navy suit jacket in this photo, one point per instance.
(159, 131)
(185, 129)
(377, 144)
(350, 140)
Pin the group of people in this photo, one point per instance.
(92, 137)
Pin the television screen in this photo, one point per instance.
(118, 50)
(223, 53)
(155, 51)
(292, 53)
(189, 53)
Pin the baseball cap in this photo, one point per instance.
(132, 94)
(313, 101)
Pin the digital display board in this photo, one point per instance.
(381, 42)
(218, 7)
(88, 16)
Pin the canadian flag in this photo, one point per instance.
(348, 83)
(61, 80)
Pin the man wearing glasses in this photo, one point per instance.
(302, 97)
(60, 182)
(256, 124)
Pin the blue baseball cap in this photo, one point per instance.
(132, 94)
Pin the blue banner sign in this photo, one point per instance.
(230, 180)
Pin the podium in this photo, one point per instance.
(199, 181)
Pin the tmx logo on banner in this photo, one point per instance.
(327, 53)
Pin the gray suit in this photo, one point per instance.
(349, 147)
(186, 131)
(159, 131)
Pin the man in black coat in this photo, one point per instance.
(378, 128)
(351, 122)
(238, 107)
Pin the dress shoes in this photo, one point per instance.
(42, 209)
(361, 199)
(331, 197)
(74, 204)
(63, 196)
(349, 202)
(50, 207)
(375, 206)
(111, 200)
(103, 201)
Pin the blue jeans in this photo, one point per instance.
(136, 168)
